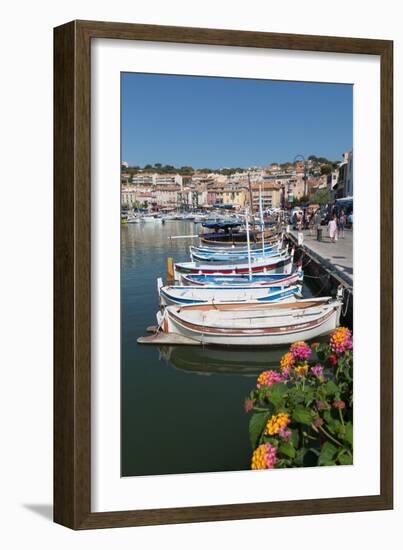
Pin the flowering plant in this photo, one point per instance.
(302, 413)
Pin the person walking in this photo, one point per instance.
(317, 219)
(311, 223)
(299, 222)
(342, 223)
(332, 228)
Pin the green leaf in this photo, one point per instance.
(299, 458)
(279, 387)
(295, 396)
(334, 425)
(309, 395)
(295, 438)
(302, 415)
(345, 459)
(327, 454)
(277, 392)
(349, 433)
(331, 388)
(257, 424)
(287, 449)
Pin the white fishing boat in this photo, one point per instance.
(243, 324)
(275, 264)
(257, 279)
(200, 218)
(132, 219)
(233, 256)
(171, 295)
(277, 243)
(149, 218)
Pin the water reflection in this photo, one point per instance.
(206, 361)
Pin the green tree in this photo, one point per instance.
(322, 196)
(326, 169)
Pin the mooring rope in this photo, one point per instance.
(313, 276)
(322, 287)
(347, 301)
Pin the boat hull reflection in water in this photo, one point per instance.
(207, 361)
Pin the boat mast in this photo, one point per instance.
(261, 217)
(251, 201)
(248, 241)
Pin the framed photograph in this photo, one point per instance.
(223, 282)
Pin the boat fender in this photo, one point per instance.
(160, 284)
(340, 292)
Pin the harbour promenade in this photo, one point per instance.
(336, 257)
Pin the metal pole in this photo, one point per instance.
(261, 217)
(305, 182)
(248, 241)
(251, 200)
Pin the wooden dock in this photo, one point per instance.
(327, 266)
(336, 258)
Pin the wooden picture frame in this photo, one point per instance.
(72, 273)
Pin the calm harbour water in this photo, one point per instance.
(182, 407)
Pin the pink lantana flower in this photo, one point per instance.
(300, 350)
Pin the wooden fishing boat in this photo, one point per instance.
(233, 256)
(239, 249)
(275, 264)
(171, 295)
(243, 324)
(257, 279)
(237, 239)
(225, 225)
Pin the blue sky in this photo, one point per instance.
(222, 122)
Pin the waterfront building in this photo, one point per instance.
(332, 180)
(271, 195)
(234, 195)
(215, 194)
(150, 178)
(316, 183)
(128, 197)
(344, 187)
(168, 179)
(143, 179)
(292, 184)
(349, 188)
(274, 168)
(125, 178)
(166, 196)
(203, 179)
(138, 197)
